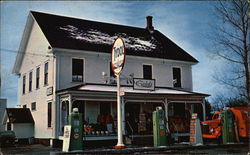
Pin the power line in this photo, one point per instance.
(24, 53)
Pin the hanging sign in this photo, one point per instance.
(118, 56)
(144, 84)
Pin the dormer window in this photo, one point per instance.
(77, 70)
(176, 77)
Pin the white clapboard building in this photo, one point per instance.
(64, 62)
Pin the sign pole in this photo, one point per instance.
(118, 60)
(120, 144)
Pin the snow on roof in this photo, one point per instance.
(97, 37)
(80, 34)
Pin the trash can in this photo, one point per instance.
(159, 127)
(228, 132)
(75, 120)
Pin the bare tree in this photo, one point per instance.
(231, 43)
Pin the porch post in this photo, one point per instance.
(70, 103)
(60, 117)
(57, 116)
(166, 113)
(204, 109)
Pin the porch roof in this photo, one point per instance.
(130, 90)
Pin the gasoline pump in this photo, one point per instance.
(75, 120)
(159, 127)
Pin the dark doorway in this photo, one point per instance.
(198, 110)
(105, 108)
(81, 107)
(132, 112)
(179, 109)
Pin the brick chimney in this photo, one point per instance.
(149, 23)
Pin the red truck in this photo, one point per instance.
(241, 123)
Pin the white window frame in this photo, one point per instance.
(45, 84)
(71, 66)
(32, 83)
(25, 84)
(151, 67)
(172, 74)
(31, 106)
(39, 77)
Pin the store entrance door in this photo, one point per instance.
(132, 112)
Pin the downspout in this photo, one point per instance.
(166, 113)
(204, 109)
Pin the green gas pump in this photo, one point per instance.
(75, 120)
(228, 132)
(159, 127)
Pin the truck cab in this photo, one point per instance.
(214, 126)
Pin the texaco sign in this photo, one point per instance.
(118, 56)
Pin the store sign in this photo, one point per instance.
(144, 84)
(118, 56)
(49, 91)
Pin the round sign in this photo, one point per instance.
(118, 56)
(76, 135)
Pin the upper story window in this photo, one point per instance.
(24, 83)
(33, 106)
(30, 81)
(147, 71)
(46, 73)
(77, 70)
(177, 77)
(37, 77)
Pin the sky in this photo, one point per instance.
(185, 23)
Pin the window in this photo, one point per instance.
(24, 106)
(30, 81)
(177, 77)
(49, 114)
(77, 70)
(147, 71)
(37, 77)
(24, 83)
(46, 68)
(8, 126)
(33, 106)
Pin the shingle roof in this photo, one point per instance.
(19, 115)
(79, 34)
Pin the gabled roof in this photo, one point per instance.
(79, 34)
(19, 115)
